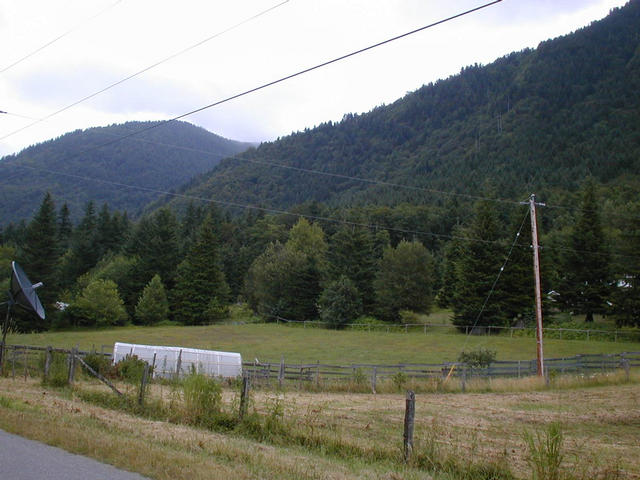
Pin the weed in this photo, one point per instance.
(202, 398)
(545, 454)
(58, 375)
(399, 379)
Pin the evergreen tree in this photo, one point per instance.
(65, 228)
(40, 255)
(86, 252)
(404, 280)
(626, 299)
(153, 306)
(340, 303)
(479, 263)
(351, 253)
(586, 284)
(200, 284)
(452, 252)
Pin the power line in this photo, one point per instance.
(59, 37)
(304, 71)
(495, 282)
(266, 209)
(146, 69)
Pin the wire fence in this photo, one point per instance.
(618, 335)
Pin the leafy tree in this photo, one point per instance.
(281, 282)
(153, 306)
(404, 280)
(587, 284)
(340, 303)
(200, 279)
(98, 305)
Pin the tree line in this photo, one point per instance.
(189, 268)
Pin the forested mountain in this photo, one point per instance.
(380, 215)
(538, 120)
(72, 167)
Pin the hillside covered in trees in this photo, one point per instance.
(533, 121)
(386, 213)
(90, 165)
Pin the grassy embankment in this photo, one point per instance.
(341, 436)
(268, 342)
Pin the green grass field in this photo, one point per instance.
(268, 342)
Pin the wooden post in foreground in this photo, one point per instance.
(143, 384)
(244, 396)
(409, 416)
(47, 362)
(72, 365)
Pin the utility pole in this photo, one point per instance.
(536, 273)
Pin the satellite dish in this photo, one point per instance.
(23, 294)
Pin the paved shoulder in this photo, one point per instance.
(22, 459)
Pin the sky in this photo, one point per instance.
(54, 53)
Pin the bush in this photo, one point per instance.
(58, 371)
(480, 358)
(99, 363)
(130, 369)
(202, 398)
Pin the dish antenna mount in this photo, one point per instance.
(22, 293)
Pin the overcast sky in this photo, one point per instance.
(104, 41)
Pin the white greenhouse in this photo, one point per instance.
(169, 362)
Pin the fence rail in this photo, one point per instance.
(271, 372)
(28, 361)
(631, 335)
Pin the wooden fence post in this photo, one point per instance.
(281, 372)
(25, 356)
(244, 396)
(374, 375)
(47, 363)
(72, 365)
(179, 364)
(409, 417)
(143, 384)
(625, 365)
(318, 374)
(464, 379)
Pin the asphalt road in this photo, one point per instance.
(22, 459)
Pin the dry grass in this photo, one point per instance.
(600, 425)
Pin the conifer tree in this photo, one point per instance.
(340, 303)
(65, 228)
(153, 306)
(404, 280)
(585, 286)
(201, 288)
(351, 253)
(479, 263)
(40, 255)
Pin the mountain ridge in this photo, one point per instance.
(97, 164)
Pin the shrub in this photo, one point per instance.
(202, 398)
(58, 371)
(480, 358)
(130, 369)
(99, 363)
